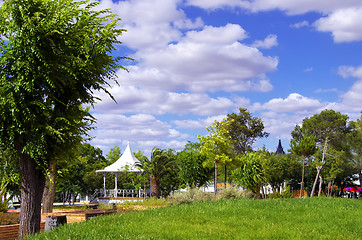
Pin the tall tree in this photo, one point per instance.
(330, 129)
(55, 54)
(217, 147)
(244, 129)
(303, 146)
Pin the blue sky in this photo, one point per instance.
(198, 60)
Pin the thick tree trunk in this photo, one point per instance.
(156, 187)
(49, 189)
(32, 185)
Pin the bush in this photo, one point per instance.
(191, 195)
(232, 192)
(285, 193)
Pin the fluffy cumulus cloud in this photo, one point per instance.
(150, 24)
(352, 99)
(200, 124)
(344, 24)
(293, 103)
(269, 42)
(342, 18)
(290, 6)
(130, 99)
(114, 129)
(200, 62)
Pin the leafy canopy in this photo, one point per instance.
(53, 55)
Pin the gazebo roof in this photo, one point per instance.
(127, 162)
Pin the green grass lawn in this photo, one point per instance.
(310, 218)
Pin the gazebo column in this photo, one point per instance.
(115, 184)
(104, 184)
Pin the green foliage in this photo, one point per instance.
(189, 196)
(161, 163)
(250, 175)
(114, 154)
(216, 145)
(244, 129)
(191, 172)
(284, 194)
(79, 176)
(232, 192)
(4, 200)
(303, 145)
(305, 218)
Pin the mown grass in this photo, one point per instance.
(311, 218)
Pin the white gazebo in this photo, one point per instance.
(126, 163)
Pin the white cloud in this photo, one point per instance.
(151, 101)
(293, 103)
(269, 42)
(200, 62)
(350, 71)
(200, 124)
(150, 24)
(353, 97)
(342, 18)
(291, 7)
(344, 24)
(300, 24)
(114, 129)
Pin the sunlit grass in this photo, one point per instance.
(316, 218)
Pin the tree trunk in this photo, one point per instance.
(319, 168)
(32, 185)
(302, 183)
(215, 179)
(156, 187)
(320, 185)
(49, 189)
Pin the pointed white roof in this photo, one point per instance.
(127, 162)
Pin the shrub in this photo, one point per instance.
(285, 193)
(191, 195)
(232, 192)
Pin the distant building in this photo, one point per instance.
(280, 148)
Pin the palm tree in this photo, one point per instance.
(160, 163)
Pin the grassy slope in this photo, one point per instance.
(316, 218)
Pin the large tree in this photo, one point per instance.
(330, 129)
(54, 54)
(244, 129)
